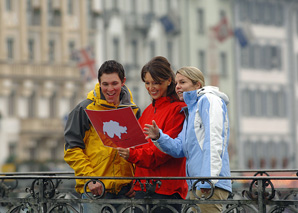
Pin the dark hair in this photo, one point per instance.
(160, 69)
(109, 67)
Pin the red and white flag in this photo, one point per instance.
(86, 63)
(222, 30)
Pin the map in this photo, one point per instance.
(113, 128)
(117, 128)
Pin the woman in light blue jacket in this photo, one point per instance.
(204, 138)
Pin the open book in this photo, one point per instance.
(117, 128)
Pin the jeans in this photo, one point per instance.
(142, 195)
(95, 208)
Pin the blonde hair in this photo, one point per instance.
(194, 74)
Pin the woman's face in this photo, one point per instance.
(156, 90)
(184, 84)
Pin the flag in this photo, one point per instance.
(222, 30)
(239, 34)
(86, 63)
(244, 34)
(170, 22)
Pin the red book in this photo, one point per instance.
(117, 128)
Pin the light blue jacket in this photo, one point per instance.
(204, 138)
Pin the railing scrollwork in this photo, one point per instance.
(47, 194)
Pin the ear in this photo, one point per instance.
(198, 85)
(169, 81)
(123, 82)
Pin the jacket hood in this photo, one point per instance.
(97, 96)
(215, 91)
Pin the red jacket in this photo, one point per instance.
(149, 160)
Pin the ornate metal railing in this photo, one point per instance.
(253, 191)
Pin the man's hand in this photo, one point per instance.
(152, 131)
(131, 193)
(123, 152)
(95, 188)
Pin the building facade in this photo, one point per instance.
(39, 78)
(40, 81)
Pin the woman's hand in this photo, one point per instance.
(152, 131)
(123, 152)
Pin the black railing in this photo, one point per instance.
(253, 191)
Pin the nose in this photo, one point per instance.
(150, 86)
(110, 88)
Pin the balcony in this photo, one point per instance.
(262, 191)
(39, 72)
(42, 126)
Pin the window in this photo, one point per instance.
(8, 4)
(152, 49)
(12, 103)
(201, 21)
(202, 61)
(169, 6)
(243, 11)
(223, 64)
(71, 49)
(248, 147)
(245, 102)
(264, 103)
(281, 103)
(36, 17)
(10, 48)
(31, 49)
(297, 22)
(115, 4)
(275, 57)
(252, 56)
(222, 14)
(279, 14)
(258, 56)
(267, 13)
(252, 103)
(254, 12)
(70, 7)
(53, 105)
(170, 50)
(33, 14)
(270, 103)
(134, 52)
(258, 99)
(54, 16)
(151, 6)
(133, 6)
(116, 49)
(245, 57)
(32, 101)
(51, 51)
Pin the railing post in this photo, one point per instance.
(261, 196)
(41, 188)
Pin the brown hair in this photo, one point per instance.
(160, 69)
(109, 67)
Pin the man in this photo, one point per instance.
(84, 150)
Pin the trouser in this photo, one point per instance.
(95, 208)
(219, 194)
(142, 195)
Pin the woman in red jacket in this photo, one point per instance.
(165, 109)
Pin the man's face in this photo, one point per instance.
(110, 85)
